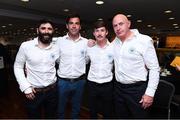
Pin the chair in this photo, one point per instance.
(176, 105)
(162, 100)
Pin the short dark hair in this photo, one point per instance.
(74, 15)
(100, 23)
(43, 21)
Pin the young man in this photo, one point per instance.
(72, 65)
(134, 57)
(39, 86)
(100, 86)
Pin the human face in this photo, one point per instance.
(45, 33)
(73, 26)
(100, 34)
(121, 26)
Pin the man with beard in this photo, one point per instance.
(39, 85)
(100, 86)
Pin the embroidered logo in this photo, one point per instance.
(52, 56)
(131, 50)
(82, 53)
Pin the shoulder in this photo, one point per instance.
(28, 43)
(142, 38)
(85, 40)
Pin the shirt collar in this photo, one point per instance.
(78, 39)
(106, 45)
(135, 34)
(48, 47)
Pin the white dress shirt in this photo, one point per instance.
(39, 63)
(72, 61)
(134, 58)
(101, 63)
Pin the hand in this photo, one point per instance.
(146, 101)
(91, 43)
(31, 95)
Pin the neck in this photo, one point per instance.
(73, 37)
(42, 45)
(128, 35)
(102, 43)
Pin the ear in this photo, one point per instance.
(93, 33)
(107, 32)
(67, 26)
(129, 23)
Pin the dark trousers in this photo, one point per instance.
(100, 99)
(44, 101)
(127, 97)
(74, 90)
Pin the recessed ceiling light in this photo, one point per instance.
(168, 11)
(66, 10)
(3, 26)
(175, 24)
(171, 18)
(99, 2)
(100, 19)
(149, 25)
(10, 24)
(153, 27)
(139, 21)
(176, 27)
(25, 0)
(129, 16)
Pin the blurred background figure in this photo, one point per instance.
(4, 63)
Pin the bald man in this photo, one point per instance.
(135, 58)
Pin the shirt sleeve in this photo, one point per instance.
(19, 70)
(152, 65)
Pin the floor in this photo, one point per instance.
(11, 105)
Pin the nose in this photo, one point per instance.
(46, 30)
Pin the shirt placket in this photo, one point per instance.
(73, 57)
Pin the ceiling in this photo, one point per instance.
(20, 18)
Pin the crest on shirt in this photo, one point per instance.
(131, 50)
(52, 56)
(82, 52)
(109, 56)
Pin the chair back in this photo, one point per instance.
(162, 100)
(164, 94)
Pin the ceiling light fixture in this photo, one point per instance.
(99, 2)
(139, 21)
(25, 0)
(176, 27)
(100, 19)
(168, 11)
(66, 10)
(3, 26)
(129, 16)
(175, 24)
(171, 18)
(149, 25)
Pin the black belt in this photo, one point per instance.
(82, 77)
(45, 89)
(139, 83)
